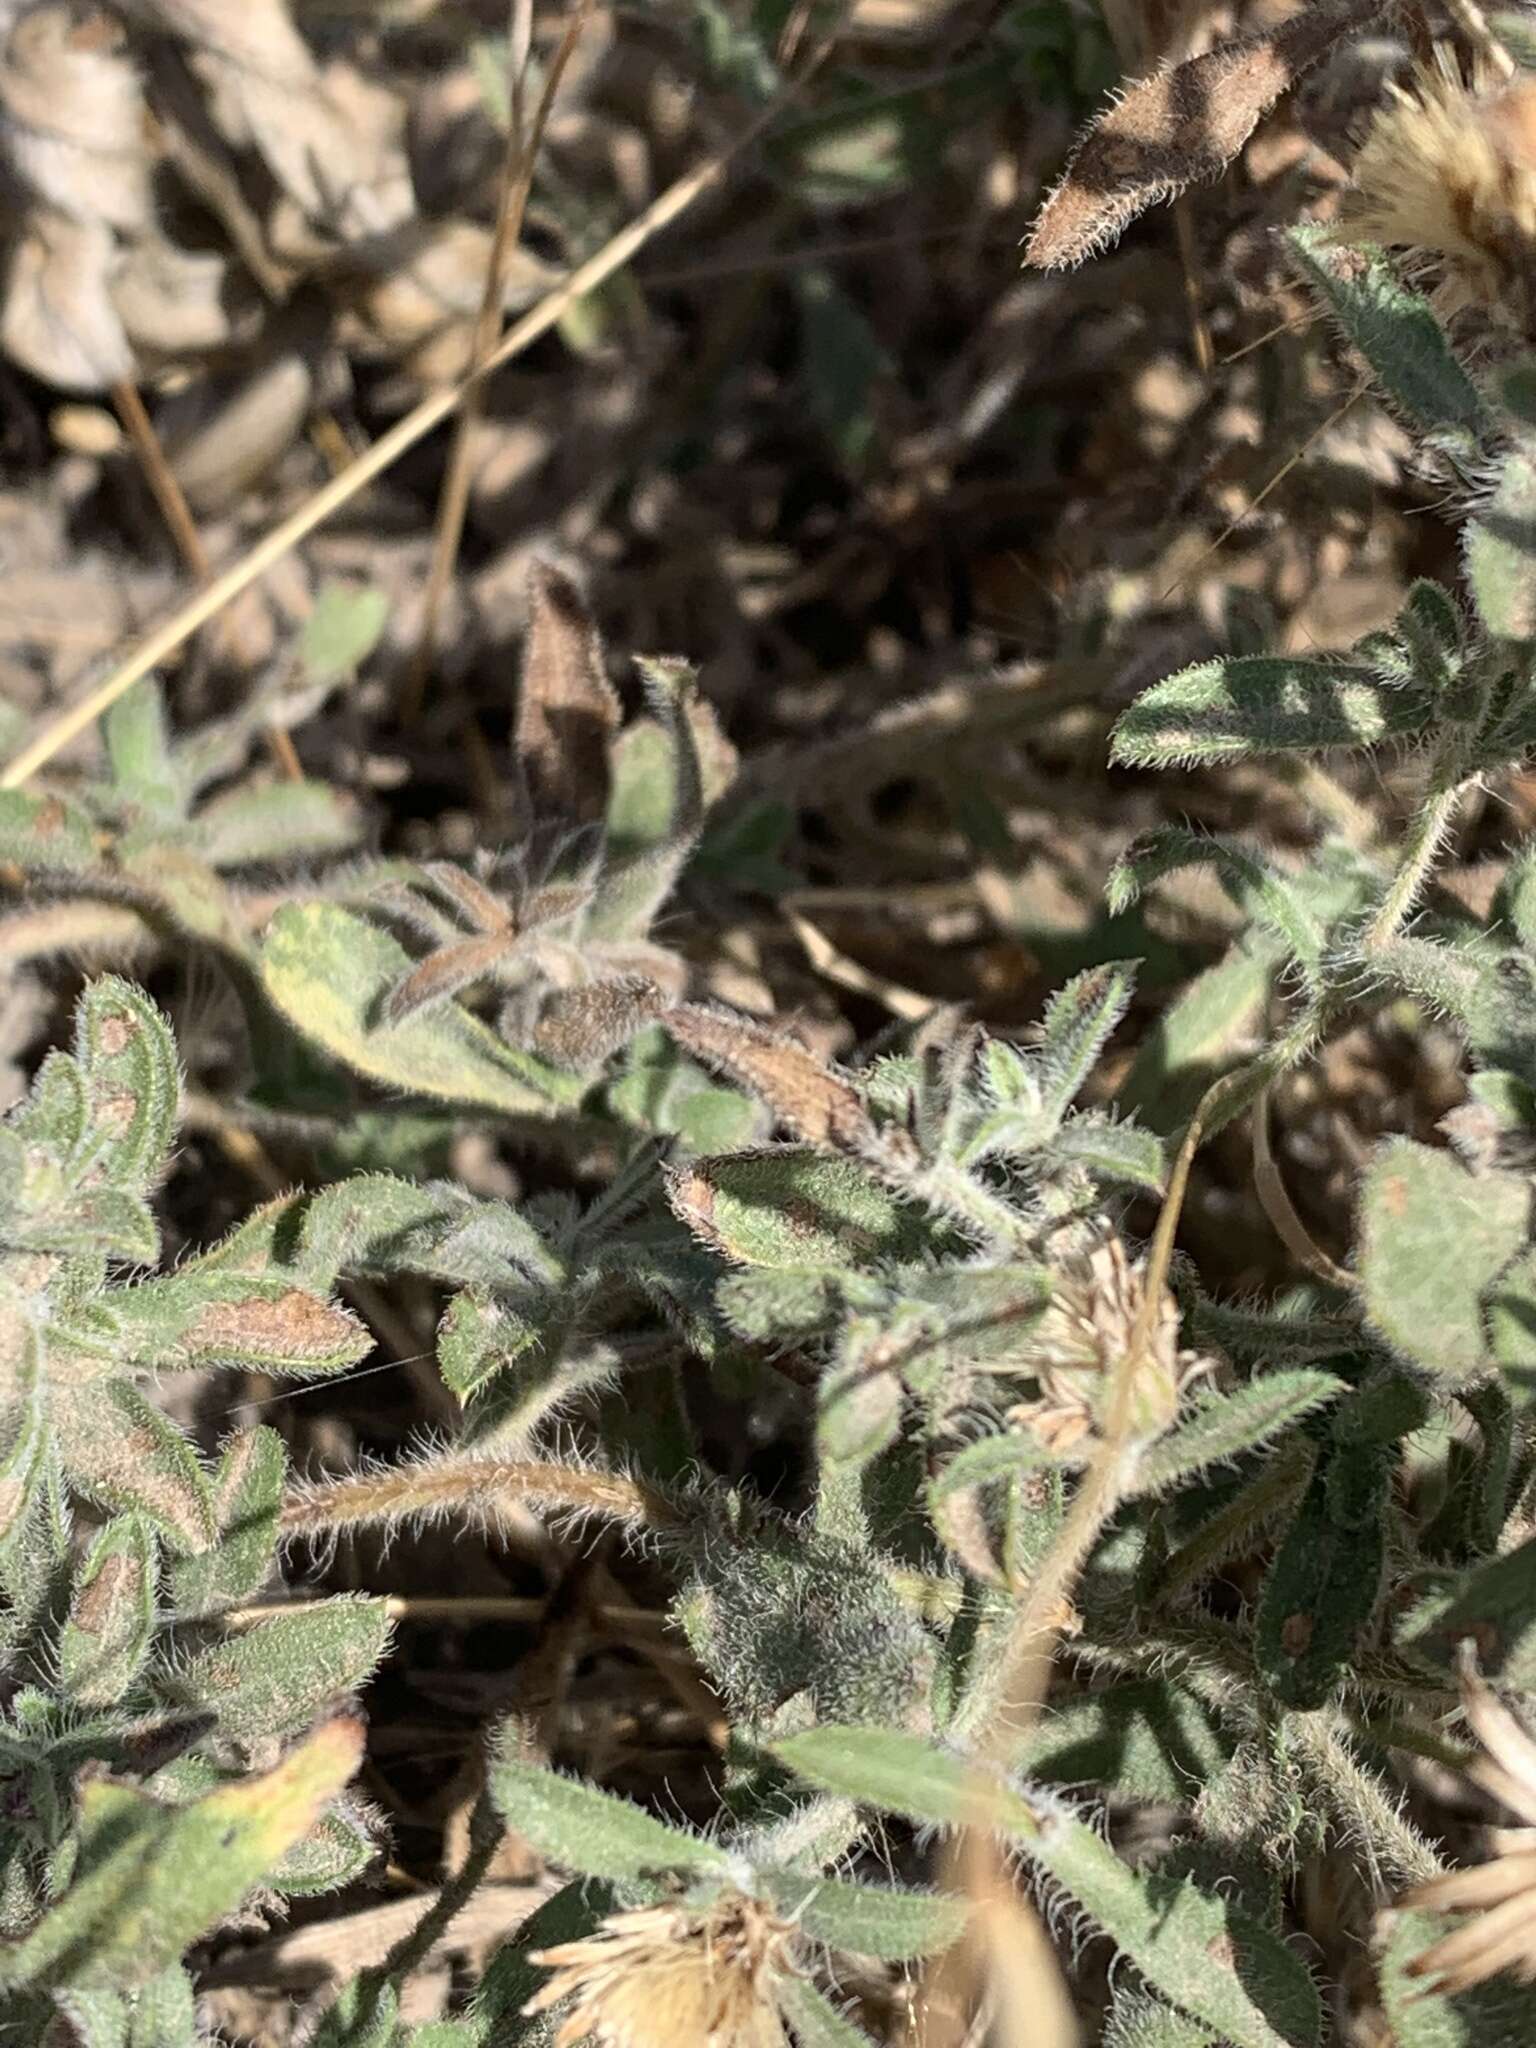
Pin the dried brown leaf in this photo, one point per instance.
(567, 709)
(580, 1027)
(805, 1094)
(1179, 126)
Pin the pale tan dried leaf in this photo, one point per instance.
(806, 1095)
(567, 710)
(72, 120)
(183, 302)
(1177, 127)
(58, 320)
(268, 93)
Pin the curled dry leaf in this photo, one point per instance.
(269, 94)
(1177, 127)
(72, 121)
(567, 710)
(58, 320)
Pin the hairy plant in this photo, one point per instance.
(1062, 1530)
(121, 1550)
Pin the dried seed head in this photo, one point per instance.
(1077, 1345)
(1450, 170)
(660, 1976)
(1501, 1893)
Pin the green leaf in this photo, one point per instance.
(1512, 1325)
(273, 1678)
(139, 749)
(1145, 1740)
(630, 890)
(1121, 1153)
(816, 2020)
(1201, 1035)
(843, 364)
(1323, 1587)
(1238, 707)
(342, 630)
(1138, 2021)
(118, 1448)
(106, 1633)
(1395, 329)
(787, 1206)
(247, 1501)
(335, 1852)
(45, 834)
(1434, 1238)
(1501, 551)
(585, 1829)
(868, 1920)
(858, 1402)
(511, 1979)
(1220, 1427)
(1204, 1954)
(282, 822)
(127, 1057)
(194, 1318)
(1490, 1606)
(165, 2013)
(903, 1774)
(1258, 889)
(150, 1879)
(328, 972)
(1075, 1029)
(1200, 1952)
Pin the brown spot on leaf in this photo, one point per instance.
(297, 1325)
(117, 1033)
(1296, 1634)
(94, 1608)
(48, 819)
(117, 1112)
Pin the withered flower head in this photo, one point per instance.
(1450, 169)
(1078, 1343)
(662, 1976)
(1502, 1892)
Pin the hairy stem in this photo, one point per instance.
(481, 1488)
(1416, 862)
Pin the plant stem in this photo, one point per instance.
(1425, 837)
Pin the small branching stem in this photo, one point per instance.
(481, 1488)
(1419, 852)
